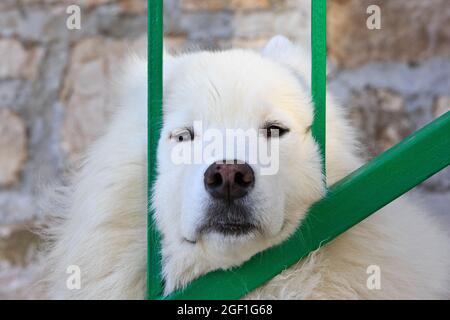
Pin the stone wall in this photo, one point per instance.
(55, 84)
(55, 87)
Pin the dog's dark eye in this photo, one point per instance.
(274, 130)
(186, 134)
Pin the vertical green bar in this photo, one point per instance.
(155, 94)
(318, 71)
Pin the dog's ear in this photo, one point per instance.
(169, 62)
(276, 45)
(281, 50)
(166, 55)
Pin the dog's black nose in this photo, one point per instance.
(229, 181)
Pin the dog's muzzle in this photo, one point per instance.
(228, 211)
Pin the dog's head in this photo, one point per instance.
(237, 163)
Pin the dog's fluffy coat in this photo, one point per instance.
(103, 230)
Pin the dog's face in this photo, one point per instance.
(228, 210)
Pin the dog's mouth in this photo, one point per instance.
(229, 228)
(229, 219)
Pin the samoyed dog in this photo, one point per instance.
(217, 214)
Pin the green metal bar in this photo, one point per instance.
(155, 92)
(348, 202)
(318, 71)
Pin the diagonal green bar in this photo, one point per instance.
(318, 72)
(155, 92)
(348, 202)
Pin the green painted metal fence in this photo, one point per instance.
(346, 203)
(155, 93)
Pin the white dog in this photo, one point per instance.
(213, 215)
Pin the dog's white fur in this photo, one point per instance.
(103, 230)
